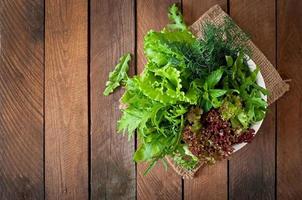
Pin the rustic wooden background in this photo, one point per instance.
(58, 132)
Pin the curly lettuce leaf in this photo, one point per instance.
(118, 75)
(231, 106)
(164, 85)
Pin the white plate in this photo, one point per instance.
(260, 82)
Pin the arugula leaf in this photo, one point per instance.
(176, 18)
(129, 121)
(117, 76)
(237, 65)
(152, 164)
(257, 101)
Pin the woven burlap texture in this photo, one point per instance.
(274, 83)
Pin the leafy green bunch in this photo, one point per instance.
(183, 71)
(158, 99)
(245, 105)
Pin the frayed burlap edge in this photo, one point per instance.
(274, 83)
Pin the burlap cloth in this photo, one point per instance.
(274, 83)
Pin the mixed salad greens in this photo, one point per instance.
(186, 84)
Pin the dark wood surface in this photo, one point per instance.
(254, 165)
(21, 99)
(289, 108)
(112, 26)
(66, 99)
(58, 132)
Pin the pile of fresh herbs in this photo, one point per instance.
(184, 73)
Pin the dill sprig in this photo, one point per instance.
(208, 53)
(221, 40)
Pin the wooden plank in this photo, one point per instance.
(193, 9)
(289, 113)
(158, 184)
(21, 99)
(252, 169)
(112, 35)
(211, 182)
(66, 106)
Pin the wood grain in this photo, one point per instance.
(112, 35)
(193, 9)
(21, 99)
(289, 107)
(212, 181)
(66, 106)
(158, 184)
(252, 169)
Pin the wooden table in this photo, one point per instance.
(58, 132)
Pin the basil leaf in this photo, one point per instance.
(214, 78)
(217, 92)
